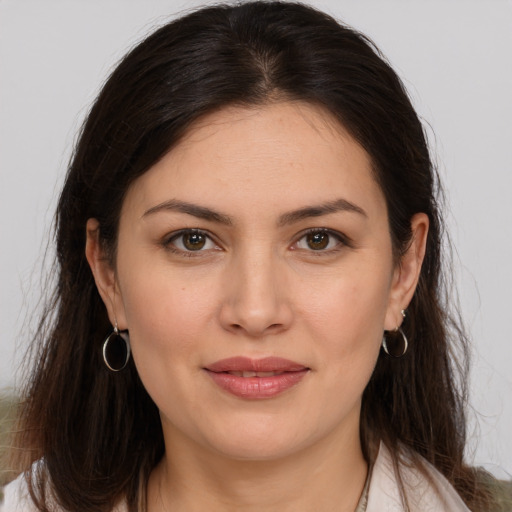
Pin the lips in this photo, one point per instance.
(255, 374)
(256, 378)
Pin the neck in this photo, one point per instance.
(328, 476)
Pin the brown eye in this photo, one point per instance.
(189, 241)
(317, 241)
(194, 241)
(321, 240)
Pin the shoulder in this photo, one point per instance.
(17, 497)
(425, 493)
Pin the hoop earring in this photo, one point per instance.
(396, 350)
(116, 350)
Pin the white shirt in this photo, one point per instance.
(423, 495)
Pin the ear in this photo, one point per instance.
(407, 273)
(104, 274)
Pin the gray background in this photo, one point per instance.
(455, 58)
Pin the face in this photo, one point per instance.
(255, 275)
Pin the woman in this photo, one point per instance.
(249, 312)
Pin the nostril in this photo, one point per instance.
(272, 328)
(267, 315)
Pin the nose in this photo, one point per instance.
(255, 299)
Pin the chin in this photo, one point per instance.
(263, 443)
(260, 450)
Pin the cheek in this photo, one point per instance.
(165, 315)
(346, 319)
(349, 336)
(349, 304)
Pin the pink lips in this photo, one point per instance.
(256, 378)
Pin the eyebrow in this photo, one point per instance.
(338, 205)
(202, 212)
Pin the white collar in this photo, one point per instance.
(431, 493)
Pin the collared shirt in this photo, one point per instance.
(425, 493)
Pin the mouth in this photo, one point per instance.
(254, 374)
(254, 379)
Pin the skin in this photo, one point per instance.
(258, 287)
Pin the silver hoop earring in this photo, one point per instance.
(395, 349)
(116, 350)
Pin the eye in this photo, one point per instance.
(191, 240)
(319, 240)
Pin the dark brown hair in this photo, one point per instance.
(98, 434)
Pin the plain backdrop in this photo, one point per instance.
(455, 57)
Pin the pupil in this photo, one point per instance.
(194, 241)
(318, 241)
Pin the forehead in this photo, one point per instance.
(277, 155)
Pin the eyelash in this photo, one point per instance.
(342, 241)
(168, 242)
